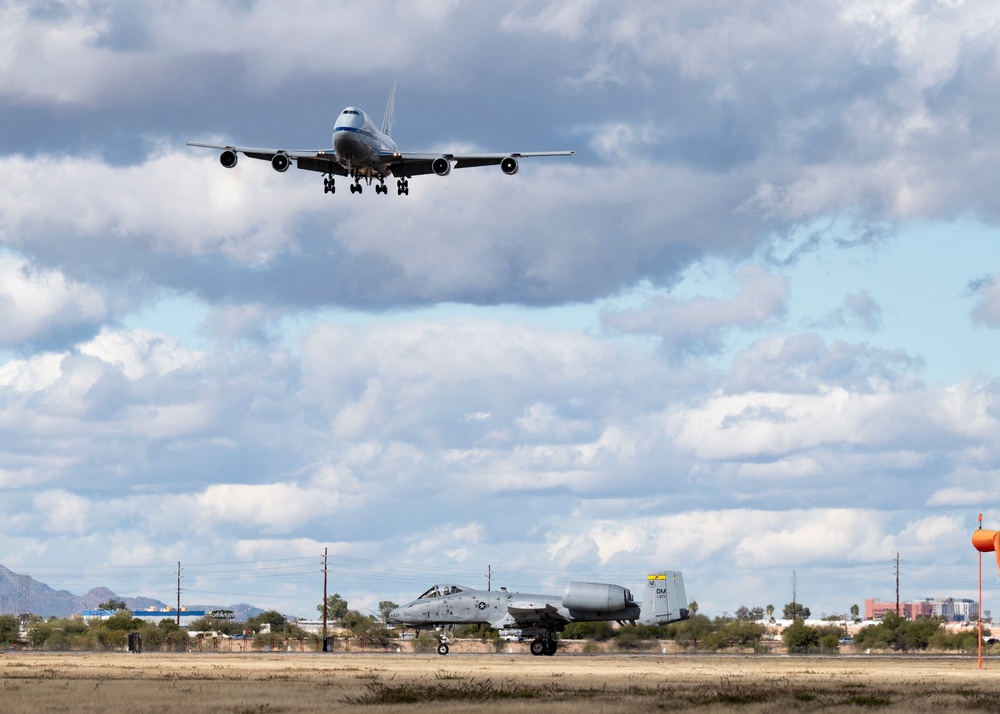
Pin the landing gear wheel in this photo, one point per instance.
(329, 186)
(537, 648)
(356, 188)
(442, 649)
(550, 648)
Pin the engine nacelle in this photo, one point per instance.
(280, 162)
(509, 166)
(441, 166)
(228, 158)
(596, 597)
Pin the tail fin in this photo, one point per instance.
(664, 599)
(387, 119)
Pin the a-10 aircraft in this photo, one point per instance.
(362, 151)
(542, 616)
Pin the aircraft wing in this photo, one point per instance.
(410, 164)
(311, 160)
(541, 613)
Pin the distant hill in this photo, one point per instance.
(44, 601)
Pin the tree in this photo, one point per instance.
(599, 631)
(336, 607)
(272, 617)
(855, 612)
(734, 633)
(794, 610)
(770, 612)
(112, 604)
(690, 632)
(897, 633)
(693, 608)
(9, 630)
(384, 608)
(750, 614)
(123, 621)
(799, 637)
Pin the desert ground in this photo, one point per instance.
(317, 682)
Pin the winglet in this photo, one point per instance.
(387, 119)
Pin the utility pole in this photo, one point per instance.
(897, 584)
(178, 593)
(324, 597)
(489, 577)
(795, 602)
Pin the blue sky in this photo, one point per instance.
(748, 329)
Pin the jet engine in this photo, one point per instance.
(229, 158)
(280, 162)
(441, 166)
(509, 166)
(595, 597)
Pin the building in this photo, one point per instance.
(153, 616)
(948, 609)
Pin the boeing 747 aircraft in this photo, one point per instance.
(364, 152)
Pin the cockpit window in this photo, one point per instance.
(440, 591)
(355, 112)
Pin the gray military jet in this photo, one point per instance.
(542, 616)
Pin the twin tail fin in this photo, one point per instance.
(663, 599)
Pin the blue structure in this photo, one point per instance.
(145, 614)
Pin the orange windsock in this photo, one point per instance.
(987, 542)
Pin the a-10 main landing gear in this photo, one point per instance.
(544, 645)
(443, 645)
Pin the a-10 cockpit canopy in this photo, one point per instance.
(441, 591)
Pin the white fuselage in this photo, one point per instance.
(358, 144)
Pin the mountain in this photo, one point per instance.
(95, 596)
(43, 600)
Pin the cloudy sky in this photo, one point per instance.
(748, 330)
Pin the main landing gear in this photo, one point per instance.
(402, 185)
(544, 645)
(380, 187)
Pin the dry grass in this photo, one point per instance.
(274, 683)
